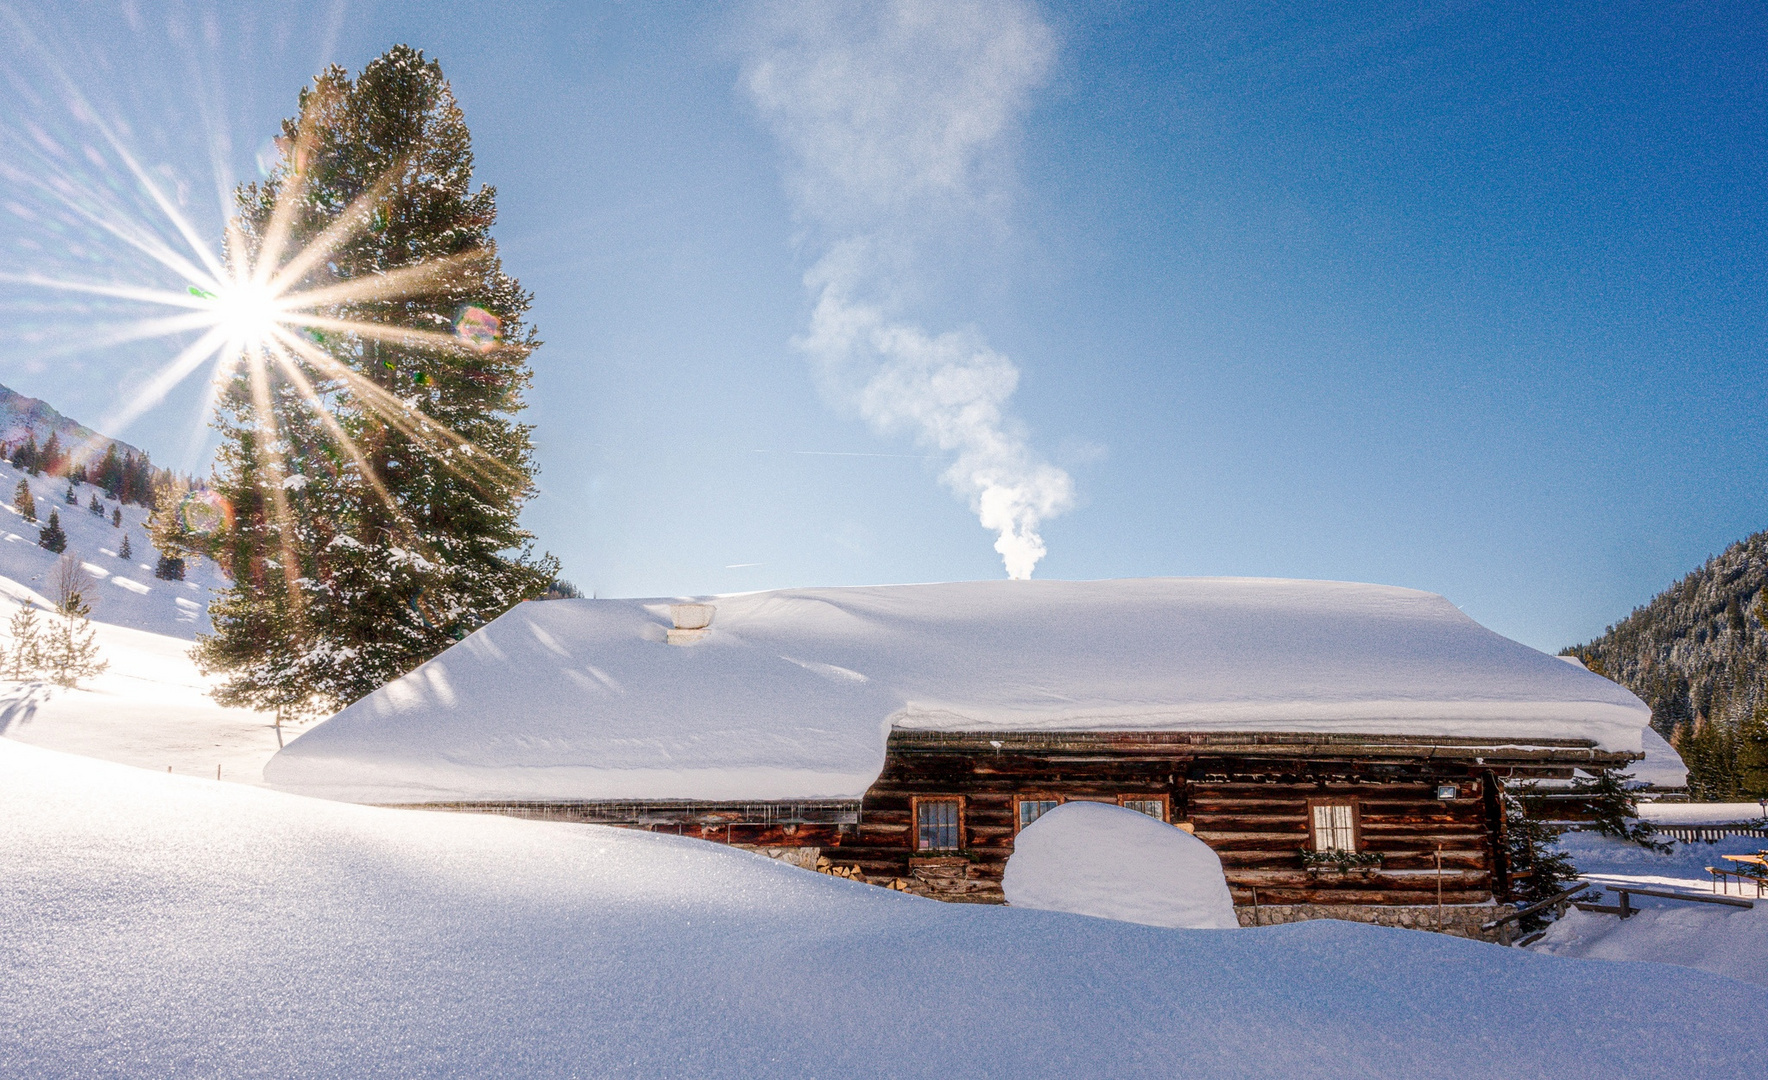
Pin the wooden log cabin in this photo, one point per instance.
(1340, 747)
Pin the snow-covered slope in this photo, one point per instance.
(169, 926)
(128, 593)
(150, 708)
(793, 692)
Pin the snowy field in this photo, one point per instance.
(1724, 940)
(173, 926)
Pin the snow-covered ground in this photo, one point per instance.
(167, 926)
(151, 707)
(1724, 940)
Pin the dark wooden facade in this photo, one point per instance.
(1428, 807)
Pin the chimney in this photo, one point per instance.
(692, 622)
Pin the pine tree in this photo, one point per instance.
(337, 590)
(95, 506)
(50, 535)
(116, 517)
(123, 551)
(24, 660)
(24, 456)
(23, 501)
(110, 474)
(51, 456)
(1616, 809)
(33, 457)
(1752, 752)
(72, 498)
(1538, 868)
(70, 649)
(168, 530)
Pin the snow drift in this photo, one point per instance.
(792, 693)
(1093, 859)
(169, 926)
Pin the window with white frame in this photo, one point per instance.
(1154, 808)
(1335, 826)
(937, 825)
(1032, 809)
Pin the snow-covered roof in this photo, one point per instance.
(792, 693)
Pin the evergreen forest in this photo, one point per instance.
(1697, 653)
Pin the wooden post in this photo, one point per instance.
(1439, 873)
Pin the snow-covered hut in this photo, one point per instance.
(1339, 745)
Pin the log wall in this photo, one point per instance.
(1245, 795)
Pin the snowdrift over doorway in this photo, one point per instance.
(791, 694)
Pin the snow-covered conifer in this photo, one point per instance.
(351, 567)
(51, 536)
(123, 551)
(72, 498)
(23, 501)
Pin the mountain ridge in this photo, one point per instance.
(23, 417)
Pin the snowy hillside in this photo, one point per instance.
(128, 593)
(791, 694)
(151, 708)
(173, 926)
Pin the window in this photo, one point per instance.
(1335, 826)
(937, 825)
(1032, 809)
(1154, 808)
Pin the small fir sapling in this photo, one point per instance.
(1538, 869)
(24, 659)
(23, 502)
(50, 535)
(1616, 809)
(95, 506)
(71, 651)
(72, 497)
(123, 552)
(116, 517)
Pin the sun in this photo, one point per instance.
(249, 312)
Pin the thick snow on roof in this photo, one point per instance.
(168, 926)
(792, 693)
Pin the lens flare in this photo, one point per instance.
(205, 513)
(478, 328)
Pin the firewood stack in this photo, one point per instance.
(851, 873)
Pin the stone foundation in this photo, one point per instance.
(802, 857)
(1458, 920)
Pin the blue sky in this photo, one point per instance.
(1454, 297)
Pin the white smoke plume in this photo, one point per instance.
(895, 117)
